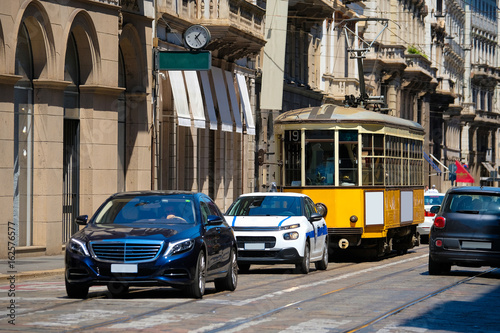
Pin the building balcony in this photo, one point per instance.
(336, 88)
(112, 2)
(484, 75)
(487, 118)
(236, 26)
(387, 58)
(311, 9)
(419, 73)
(453, 50)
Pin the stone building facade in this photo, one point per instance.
(75, 95)
(206, 143)
(465, 40)
(86, 110)
(435, 63)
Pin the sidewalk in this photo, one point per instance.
(27, 267)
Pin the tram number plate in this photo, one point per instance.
(255, 246)
(123, 268)
(476, 245)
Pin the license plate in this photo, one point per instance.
(255, 246)
(476, 245)
(123, 268)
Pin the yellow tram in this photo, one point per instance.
(365, 166)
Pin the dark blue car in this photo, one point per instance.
(178, 239)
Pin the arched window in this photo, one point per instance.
(122, 113)
(72, 75)
(23, 139)
(71, 140)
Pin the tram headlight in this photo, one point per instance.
(291, 235)
(353, 219)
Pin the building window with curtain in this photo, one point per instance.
(23, 140)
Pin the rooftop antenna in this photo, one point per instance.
(359, 53)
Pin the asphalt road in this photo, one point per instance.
(394, 294)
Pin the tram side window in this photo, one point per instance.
(320, 157)
(292, 158)
(373, 161)
(348, 161)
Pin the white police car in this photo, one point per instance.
(278, 228)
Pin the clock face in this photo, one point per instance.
(196, 36)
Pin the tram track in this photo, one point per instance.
(256, 318)
(368, 323)
(409, 304)
(104, 294)
(259, 286)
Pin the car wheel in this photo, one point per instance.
(244, 268)
(118, 289)
(437, 268)
(197, 288)
(303, 267)
(76, 290)
(323, 263)
(231, 280)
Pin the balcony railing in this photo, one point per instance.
(241, 13)
(112, 2)
(453, 46)
(337, 88)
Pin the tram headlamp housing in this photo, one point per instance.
(291, 235)
(353, 219)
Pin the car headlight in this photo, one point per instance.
(179, 247)
(291, 235)
(292, 226)
(77, 246)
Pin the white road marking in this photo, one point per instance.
(393, 328)
(215, 326)
(67, 320)
(151, 321)
(315, 326)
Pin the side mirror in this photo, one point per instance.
(315, 217)
(435, 209)
(214, 220)
(82, 219)
(321, 208)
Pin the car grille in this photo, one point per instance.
(256, 228)
(125, 251)
(269, 241)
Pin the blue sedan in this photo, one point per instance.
(177, 239)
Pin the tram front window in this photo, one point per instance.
(320, 158)
(292, 158)
(348, 162)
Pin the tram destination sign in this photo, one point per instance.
(184, 60)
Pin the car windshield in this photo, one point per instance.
(266, 206)
(148, 209)
(433, 200)
(473, 203)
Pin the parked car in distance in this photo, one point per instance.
(466, 230)
(278, 228)
(171, 238)
(430, 199)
